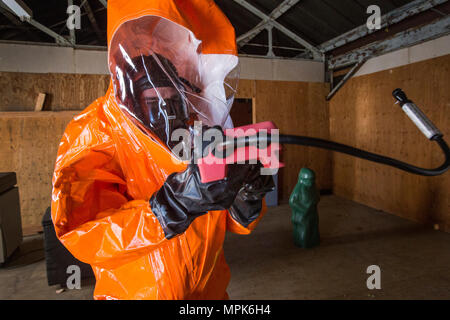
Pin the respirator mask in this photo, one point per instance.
(163, 82)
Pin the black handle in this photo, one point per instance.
(401, 97)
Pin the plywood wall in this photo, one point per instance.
(297, 108)
(363, 114)
(28, 145)
(19, 91)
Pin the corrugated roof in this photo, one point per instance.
(316, 21)
(313, 20)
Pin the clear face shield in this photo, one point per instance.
(163, 82)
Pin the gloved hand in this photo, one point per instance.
(247, 206)
(183, 197)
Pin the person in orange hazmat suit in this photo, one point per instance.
(123, 201)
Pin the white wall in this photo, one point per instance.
(282, 69)
(424, 51)
(52, 59)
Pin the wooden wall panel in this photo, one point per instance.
(29, 142)
(297, 108)
(363, 114)
(64, 91)
(246, 89)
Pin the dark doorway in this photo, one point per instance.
(242, 112)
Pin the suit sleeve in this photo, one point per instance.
(93, 216)
(249, 206)
(235, 226)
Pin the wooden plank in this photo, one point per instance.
(363, 114)
(28, 145)
(246, 89)
(64, 91)
(40, 101)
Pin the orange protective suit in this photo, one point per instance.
(107, 169)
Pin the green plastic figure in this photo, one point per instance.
(305, 217)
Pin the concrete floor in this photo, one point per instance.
(414, 260)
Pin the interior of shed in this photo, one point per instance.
(312, 68)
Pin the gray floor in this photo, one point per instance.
(414, 260)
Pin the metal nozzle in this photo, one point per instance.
(400, 96)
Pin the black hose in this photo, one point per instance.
(417, 116)
(324, 144)
(334, 146)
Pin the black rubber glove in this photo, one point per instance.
(247, 206)
(183, 197)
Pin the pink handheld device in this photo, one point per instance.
(213, 168)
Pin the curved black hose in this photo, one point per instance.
(416, 115)
(324, 144)
(334, 146)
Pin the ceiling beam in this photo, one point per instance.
(104, 3)
(393, 17)
(317, 54)
(73, 38)
(347, 77)
(58, 38)
(47, 44)
(9, 15)
(401, 40)
(17, 24)
(274, 15)
(63, 22)
(91, 16)
(276, 47)
(19, 8)
(270, 53)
